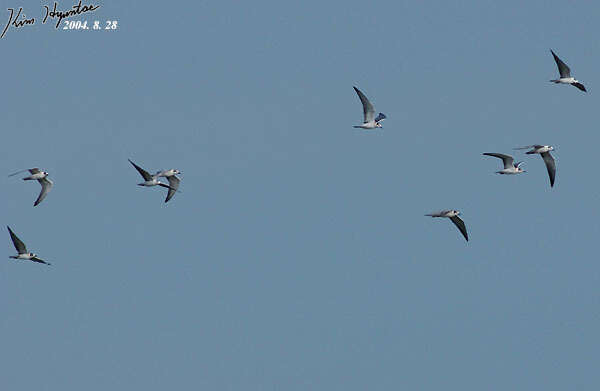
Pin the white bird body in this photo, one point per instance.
(369, 125)
(565, 80)
(36, 176)
(510, 171)
(151, 182)
(167, 173)
(27, 256)
(538, 149)
(444, 213)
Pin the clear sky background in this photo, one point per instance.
(297, 255)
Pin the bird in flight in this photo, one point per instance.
(22, 250)
(544, 151)
(510, 167)
(565, 74)
(453, 216)
(152, 180)
(42, 178)
(369, 120)
(173, 181)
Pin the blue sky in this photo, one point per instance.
(297, 255)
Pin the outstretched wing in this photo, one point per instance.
(441, 213)
(46, 186)
(31, 170)
(580, 86)
(39, 260)
(506, 159)
(380, 117)
(563, 69)
(143, 173)
(550, 166)
(368, 109)
(173, 186)
(529, 146)
(19, 245)
(461, 226)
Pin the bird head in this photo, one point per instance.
(378, 125)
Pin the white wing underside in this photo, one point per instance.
(368, 109)
(46, 186)
(506, 159)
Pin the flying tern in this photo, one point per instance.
(173, 181)
(510, 167)
(152, 180)
(370, 121)
(22, 250)
(544, 152)
(42, 178)
(565, 74)
(453, 216)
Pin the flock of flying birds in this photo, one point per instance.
(510, 168)
(42, 178)
(370, 121)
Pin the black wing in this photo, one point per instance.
(19, 245)
(143, 173)
(39, 260)
(461, 226)
(580, 86)
(550, 166)
(563, 69)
